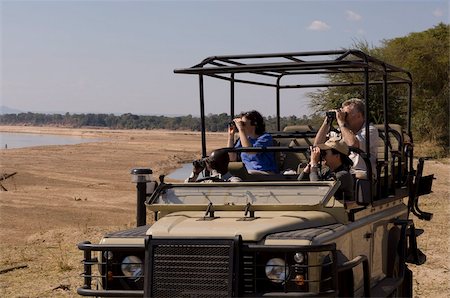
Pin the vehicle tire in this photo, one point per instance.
(345, 285)
(394, 265)
(407, 285)
(393, 258)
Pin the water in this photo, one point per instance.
(181, 173)
(21, 140)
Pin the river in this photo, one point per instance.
(21, 140)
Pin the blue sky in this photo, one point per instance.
(119, 56)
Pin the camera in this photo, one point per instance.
(331, 115)
(233, 125)
(199, 163)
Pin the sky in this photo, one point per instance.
(119, 56)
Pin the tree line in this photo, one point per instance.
(213, 122)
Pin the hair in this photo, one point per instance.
(346, 161)
(357, 104)
(219, 160)
(257, 120)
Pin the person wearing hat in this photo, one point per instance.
(335, 155)
(351, 120)
(217, 164)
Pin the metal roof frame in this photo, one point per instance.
(269, 70)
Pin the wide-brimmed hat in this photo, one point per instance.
(337, 145)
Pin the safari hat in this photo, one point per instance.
(336, 145)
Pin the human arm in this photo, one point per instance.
(311, 170)
(321, 135)
(230, 143)
(194, 174)
(242, 133)
(348, 136)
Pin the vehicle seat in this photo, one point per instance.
(391, 172)
(295, 160)
(238, 169)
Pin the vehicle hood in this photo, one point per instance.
(230, 224)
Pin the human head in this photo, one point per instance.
(219, 160)
(335, 153)
(255, 119)
(355, 109)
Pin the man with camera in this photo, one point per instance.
(352, 126)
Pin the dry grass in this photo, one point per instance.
(431, 150)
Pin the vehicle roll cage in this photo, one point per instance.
(270, 69)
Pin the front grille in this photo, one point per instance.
(188, 268)
(248, 274)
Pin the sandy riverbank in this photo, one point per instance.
(65, 194)
(60, 179)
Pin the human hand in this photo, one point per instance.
(196, 170)
(315, 155)
(239, 124)
(341, 117)
(232, 127)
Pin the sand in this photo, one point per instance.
(65, 194)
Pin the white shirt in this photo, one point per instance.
(358, 162)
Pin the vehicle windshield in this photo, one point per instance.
(227, 195)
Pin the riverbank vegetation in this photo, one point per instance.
(213, 122)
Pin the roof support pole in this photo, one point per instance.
(202, 114)
(366, 120)
(278, 104)
(232, 96)
(386, 129)
(409, 107)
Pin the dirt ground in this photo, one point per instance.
(63, 195)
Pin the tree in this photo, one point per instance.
(426, 55)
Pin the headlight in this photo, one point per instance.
(108, 255)
(132, 267)
(276, 270)
(299, 257)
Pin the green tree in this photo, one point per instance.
(426, 55)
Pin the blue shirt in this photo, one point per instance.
(263, 161)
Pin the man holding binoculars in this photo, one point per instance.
(350, 119)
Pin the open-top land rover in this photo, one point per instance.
(272, 235)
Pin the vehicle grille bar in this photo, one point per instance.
(190, 268)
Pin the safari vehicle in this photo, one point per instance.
(271, 235)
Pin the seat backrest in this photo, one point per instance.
(299, 128)
(292, 160)
(238, 169)
(392, 170)
(362, 191)
(395, 136)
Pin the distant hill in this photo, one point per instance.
(8, 110)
